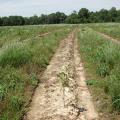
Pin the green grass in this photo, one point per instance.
(21, 33)
(112, 29)
(102, 61)
(20, 64)
(15, 56)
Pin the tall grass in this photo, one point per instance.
(104, 57)
(15, 55)
(20, 64)
(21, 33)
(112, 29)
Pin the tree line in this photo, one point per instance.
(82, 16)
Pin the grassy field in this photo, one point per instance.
(111, 29)
(21, 33)
(102, 64)
(23, 57)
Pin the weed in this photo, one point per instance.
(34, 79)
(64, 77)
(91, 82)
(16, 103)
(2, 92)
(104, 55)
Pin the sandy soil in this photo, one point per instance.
(63, 94)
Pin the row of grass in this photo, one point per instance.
(20, 67)
(102, 65)
(21, 33)
(112, 29)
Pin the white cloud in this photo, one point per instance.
(31, 7)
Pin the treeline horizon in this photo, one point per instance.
(82, 16)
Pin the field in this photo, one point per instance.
(101, 58)
(111, 29)
(23, 54)
(26, 51)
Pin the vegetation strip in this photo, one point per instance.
(84, 96)
(107, 37)
(102, 64)
(20, 71)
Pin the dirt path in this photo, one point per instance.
(63, 94)
(107, 37)
(43, 34)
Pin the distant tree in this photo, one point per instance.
(27, 20)
(93, 18)
(52, 18)
(43, 19)
(1, 21)
(16, 20)
(5, 21)
(60, 17)
(104, 15)
(34, 20)
(118, 16)
(73, 18)
(113, 14)
(84, 15)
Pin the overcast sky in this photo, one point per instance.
(31, 7)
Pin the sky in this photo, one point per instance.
(38, 7)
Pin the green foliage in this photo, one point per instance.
(91, 82)
(113, 82)
(15, 56)
(24, 55)
(103, 69)
(16, 103)
(4, 117)
(2, 92)
(83, 16)
(64, 76)
(107, 56)
(104, 55)
(111, 29)
(34, 79)
(64, 79)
